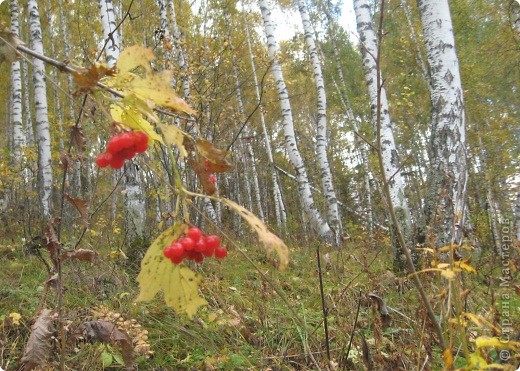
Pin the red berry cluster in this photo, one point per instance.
(123, 147)
(195, 246)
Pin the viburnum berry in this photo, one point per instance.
(212, 178)
(212, 241)
(195, 256)
(104, 159)
(194, 233)
(200, 245)
(187, 243)
(220, 252)
(117, 162)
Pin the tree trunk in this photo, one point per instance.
(387, 147)
(444, 208)
(321, 125)
(306, 198)
(43, 137)
(19, 139)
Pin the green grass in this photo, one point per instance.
(246, 324)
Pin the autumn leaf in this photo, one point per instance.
(80, 205)
(178, 283)
(108, 333)
(87, 78)
(152, 88)
(39, 344)
(271, 242)
(79, 254)
(174, 136)
(198, 168)
(217, 158)
(78, 139)
(486, 341)
(131, 118)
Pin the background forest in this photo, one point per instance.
(387, 163)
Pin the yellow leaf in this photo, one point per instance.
(15, 318)
(449, 274)
(178, 283)
(131, 118)
(466, 266)
(271, 241)
(447, 357)
(485, 341)
(476, 361)
(133, 57)
(479, 321)
(174, 136)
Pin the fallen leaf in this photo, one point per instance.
(39, 344)
(107, 332)
(271, 242)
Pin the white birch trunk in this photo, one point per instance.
(43, 137)
(321, 125)
(27, 111)
(448, 173)
(281, 216)
(515, 15)
(386, 144)
(110, 34)
(517, 216)
(316, 220)
(19, 139)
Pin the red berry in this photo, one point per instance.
(178, 260)
(103, 159)
(194, 233)
(212, 241)
(196, 256)
(220, 252)
(176, 249)
(127, 153)
(127, 140)
(140, 147)
(114, 145)
(140, 137)
(187, 243)
(117, 162)
(212, 178)
(200, 246)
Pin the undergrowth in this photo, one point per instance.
(246, 324)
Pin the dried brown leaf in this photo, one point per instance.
(107, 332)
(217, 158)
(79, 254)
(39, 344)
(78, 139)
(80, 205)
(87, 78)
(52, 243)
(203, 175)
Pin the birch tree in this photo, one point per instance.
(386, 144)
(43, 137)
(444, 208)
(19, 139)
(316, 220)
(321, 124)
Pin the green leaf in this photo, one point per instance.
(106, 358)
(178, 283)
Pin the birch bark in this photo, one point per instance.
(444, 208)
(43, 137)
(387, 146)
(307, 200)
(321, 124)
(19, 139)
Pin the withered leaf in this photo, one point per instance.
(65, 159)
(270, 241)
(87, 78)
(217, 158)
(78, 139)
(79, 254)
(198, 167)
(107, 332)
(39, 345)
(80, 205)
(52, 243)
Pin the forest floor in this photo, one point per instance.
(257, 317)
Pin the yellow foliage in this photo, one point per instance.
(178, 283)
